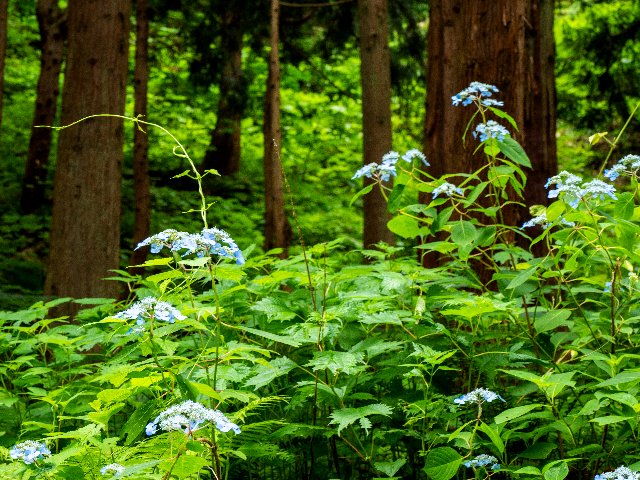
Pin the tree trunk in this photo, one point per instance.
(507, 43)
(4, 14)
(141, 181)
(85, 230)
(52, 23)
(375, 73)
(277, 231)
(223, 153)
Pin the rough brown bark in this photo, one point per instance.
(223, 153)
(141, 180)
(52, 24)
(277, 231)
(85, 231)
(507, 43)
(4, 13)
(375, 73)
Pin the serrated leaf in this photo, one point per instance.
(271, 336)
(265, 374)
(138, 420)
(390, 468)
(551, 320)
(442, 463)
(347, 416)
(558, 472)
(344, 362)
(514, 152)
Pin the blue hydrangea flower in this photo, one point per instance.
(539, 220)
(29, 451)
(568, 184)
(491, 129)
(628, 165)
(410, 155)
(482, 461)
(188, 417)
(478, 396)
(149, 308)
(620, 473)
(386, 169)
(607, 287)
(597, 189)
(115, 469)
(211, 241)
(447, 189)
(476, 91)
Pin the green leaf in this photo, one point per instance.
(610, 419)
(539, 451)
(442, 463)
(271, 336)
(406, 227)
(554, 210)
(516, 412)
(528, 471)
(185, 466)
(138, 420)
(395, 197)
(500, 114)
(557, 472)
(624, 206)
(522, 277)
(345, 362)
(362, 192)
(493, 435)
(347, 416)
(265, 374)
(514, 152)
(621, 379)
(463, 233)
(390, 468)
(551, 320)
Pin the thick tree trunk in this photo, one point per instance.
(52, 23)
(277, 231)
(375, 73)
(223, 153)
(85, 231)
(141, 181)
(507, 43)
(4, 14)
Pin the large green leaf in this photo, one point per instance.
(514, 152)
(442, 463)
(516, 412)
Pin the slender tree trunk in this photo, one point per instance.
(507, 43)
(85, 231)
(52, 23)
(223, 153)
(4, 14)
(277, 231)
(141, 181)
(375, 73)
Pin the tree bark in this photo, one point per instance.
(52, 23)
(507, 43)
(141, 180)
(375, 73)
(223, 153)
(4, 14)
(85, 231)
(277, 231)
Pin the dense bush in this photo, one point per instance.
(230, 364)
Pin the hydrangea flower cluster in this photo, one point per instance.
(211, 241)
(477, 92)
(620, 473)
(482, 461)
(491, 129)
(150, 308)
(187, 417)
(447, 189)
(479, 395)
(628, 165)
(115, 469)
(573, 190)
(542, 221)
(387, 168)
(29, 451)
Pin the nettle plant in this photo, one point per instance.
(230, 364)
